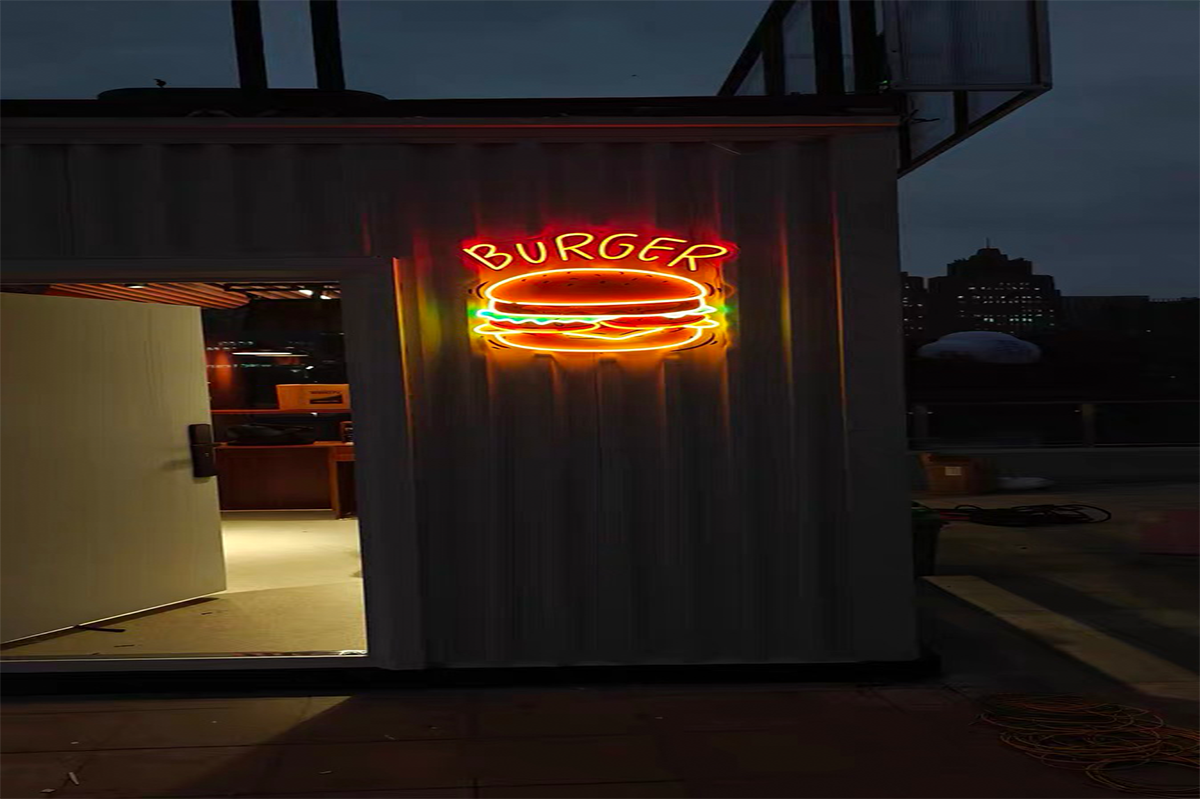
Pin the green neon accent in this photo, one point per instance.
(488, 314)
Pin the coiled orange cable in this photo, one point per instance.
(1071, 732)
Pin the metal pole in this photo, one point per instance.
(827, 47)
(327, 45)
(248, 40)
(753, 51)
(774, 80)
(1087, 417)
(962, 114)
(920, 426)
(868, 49)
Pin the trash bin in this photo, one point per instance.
(926, 527)
(952, 474)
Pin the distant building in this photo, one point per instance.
(991, 292)
(1178, 317)
(915, 298)
(1113, 314)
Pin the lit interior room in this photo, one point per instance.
(285, 569)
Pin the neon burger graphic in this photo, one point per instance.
(596, 310)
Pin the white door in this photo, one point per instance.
(101, 514)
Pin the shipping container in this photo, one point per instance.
(739, 500)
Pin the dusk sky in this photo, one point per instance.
(1097, 182)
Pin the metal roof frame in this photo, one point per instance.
(877, 68)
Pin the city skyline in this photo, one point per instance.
(933, 272)
(991, 290)
(1080, 181)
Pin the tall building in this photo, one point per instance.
(1114, 314)
(915, 299)
(991, 292)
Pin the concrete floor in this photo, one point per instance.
(1095, 574)
(918, 740)
(276, 562)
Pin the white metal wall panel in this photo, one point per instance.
(174, 200)
(33, 197)
(590, 509)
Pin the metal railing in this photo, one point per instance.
(1053, 423)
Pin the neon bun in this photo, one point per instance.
(600, 309)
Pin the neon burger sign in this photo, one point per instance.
(585, 246)
(592, 292)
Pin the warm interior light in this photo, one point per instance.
(270, 353)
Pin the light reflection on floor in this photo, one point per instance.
(294, 585)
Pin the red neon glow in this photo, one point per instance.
(598, 289)
(579, 246)
(588, 309)
(653, 244)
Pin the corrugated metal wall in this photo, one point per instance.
(588, 509)
(172, 200)
(632, 508)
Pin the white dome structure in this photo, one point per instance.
(987, 347)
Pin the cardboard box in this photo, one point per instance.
(317, 396)
(949, 474)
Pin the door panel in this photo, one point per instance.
(101, 514)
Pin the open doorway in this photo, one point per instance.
(277, 569)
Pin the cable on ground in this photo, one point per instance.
(1026, 516)
(1097, 738)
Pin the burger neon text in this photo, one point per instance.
(580, 245)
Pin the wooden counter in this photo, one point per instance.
(287, 477)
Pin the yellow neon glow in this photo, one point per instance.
(696, 335)
(588, 245)
(603, 248)
(704, 323)
(553, 337)
(563, 249)
(653, 244)
(487, 328)
(492, 252)
(686, 255)
(522, 254)
(542, 319)
(701, 289)
(621, 338)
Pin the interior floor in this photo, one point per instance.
(294, 585)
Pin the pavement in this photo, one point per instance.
(918, 739)
(1095, 576)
